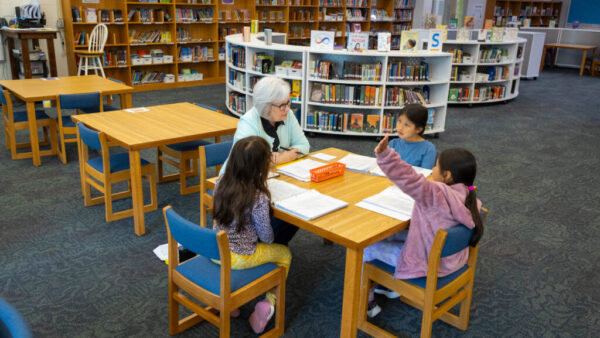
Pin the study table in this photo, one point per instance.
(556, 46)
(24, 35)
(353, 227)
(149, 127)
(36, 90)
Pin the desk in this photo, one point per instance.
(25, 35)
(352, 227)
(157, 126)
(35, 90)
(584, 48)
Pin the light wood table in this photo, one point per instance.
(353, 227)
(555, 46)
(157, 126)
(35, 90)
(24, 35)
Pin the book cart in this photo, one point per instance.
(484, 72)
(341, 92)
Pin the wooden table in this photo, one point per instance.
(352, 227)
(159, 125)
(35, 90)
(584, 48)
(25, 35)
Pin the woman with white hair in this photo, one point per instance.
(272, 119)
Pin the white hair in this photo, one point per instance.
(269, 90)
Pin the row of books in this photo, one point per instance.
(404, 3)
(270, 15)
(299, 32)
(356, 3)
(237, 102)
(224, 31)
(459, 94)
(149, 37)
(89, 14)
(403, 72)
(353, 28)
(397, 28)
(497, 73)
(237, 56)
(237, 79)
(361, 71)
(148, 15)
(346, 94)
(380, 15)
(487, 93)
(263, 63)
(342, 122)
(355, 14)
(399, 96)
(271, 2)
(458, 55)
(301, 15)
(330, 3)
(403, 14)
(80, 38)
(184, 35)
(456, 75)
(196, 53)
(114, 58)
(193, 15)
(234, 15)
(147, 77)
(491, 55)
(390, 120)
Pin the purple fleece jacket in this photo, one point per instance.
(437, 206)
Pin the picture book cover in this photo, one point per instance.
(511, 34)
(453, 23)
(445, 28)
(482, 35)
(372, 125)
(463, 34)
(408, 41)
(356, 122)
(358, 42)
(430, 119)
(497, 34)
(488, 24)
(322, 40)
(384, 41)
(469, 22)
(430, 20)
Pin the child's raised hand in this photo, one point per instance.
(383, 144)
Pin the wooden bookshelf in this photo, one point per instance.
(539, 13)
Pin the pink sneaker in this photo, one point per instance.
(235, 313)
(263, 311)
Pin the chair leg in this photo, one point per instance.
(80, 67)
(100, 66)
(159, 164)
(86, 66)
(173, 309)
(63, 150)
(224, 329)
(280, 307)
(13, 145)
(53, 136)
(427, 321)
(151, 177)
(108, 200)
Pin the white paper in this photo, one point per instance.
(281, 190)
(391, 201)
(162, 251)
(300, 170)
(310, 204)
(383, 211)
(423, 171)
(136, 110)
(359, 162)
(322, 156)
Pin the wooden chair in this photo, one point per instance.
(433, 295)
(18, 120)
(182, 156)
(595, 64)
(219, 287)
(101, 172)
(211, 155)
(91, 59)
(12, 323)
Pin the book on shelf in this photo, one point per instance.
(372, 124)
(307, 204)
(90, 15)
(299, 170)
(497, 34)
(384, 41)
(357, 42)
(356, 122)
(430, 119)
(409, 41)
(391, 202)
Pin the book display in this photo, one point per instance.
(523, 13)
(342, 92)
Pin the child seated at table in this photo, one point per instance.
(411, 145)
(443, 203)
(242, 208)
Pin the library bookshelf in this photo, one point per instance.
(537, 13)
(484, 72)
(370, 89)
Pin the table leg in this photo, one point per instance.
(554, 56)
(14, 64)
(33, 134)
(582, 68)
(543, 58)
(125, 100)
(25, 56)
(52, 57)
(137, 194)
(351, 292)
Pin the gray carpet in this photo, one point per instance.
(73, 275)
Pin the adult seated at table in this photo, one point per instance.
(272, 119)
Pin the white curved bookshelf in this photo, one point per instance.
(322, 112)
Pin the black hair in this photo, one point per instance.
(462, 166)
(417, 114)
(411, 43)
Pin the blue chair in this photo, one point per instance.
(184, 157)
(12, 323)
(81, 103)
(109, 97)
(18, 120)
(101, 172)
(217, 286)
(212, 155)
(434, 295)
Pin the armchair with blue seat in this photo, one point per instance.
(211, 155)
(219, 288)
(184, 157)
(433, 295)
(12, 323)
(101, 172)
(81, 103)
(18, 120)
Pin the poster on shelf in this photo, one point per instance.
(497, 34)
(482, 35)
(408, 41)
(511, 34)
(322, 40)
(463, 34)
(469, 22)
(384, 41)
(435, 40)
(445, 28)
(358, 42)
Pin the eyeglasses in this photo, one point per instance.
(283, 106)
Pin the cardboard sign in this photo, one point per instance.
(435, 40)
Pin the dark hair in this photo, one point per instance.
(245, 176)
(417, 114)
(411, 42)
(461, 164)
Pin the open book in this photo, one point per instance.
(368, 165)
(304, 203)
(299, 170)
(391, 202)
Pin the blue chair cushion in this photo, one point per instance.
(67, 122)
(206, 274)
(422, 281)
(118, 162)
(21, 116)
(106, 107)
(191, 145)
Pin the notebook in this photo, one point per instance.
(304, 203)
(391, 202)
(368, 165)
(299, 170)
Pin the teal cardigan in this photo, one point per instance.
(290, 134)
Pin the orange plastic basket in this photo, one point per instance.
(327, 171)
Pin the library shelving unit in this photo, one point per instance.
(371, 86)
(484, 72)
(539, 13)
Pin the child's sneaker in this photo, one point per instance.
(382, 290)
(373, 309)
(263, 311)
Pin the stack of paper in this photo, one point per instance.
(300, 170)
(368, 165)
(304, 203)
(391, 202)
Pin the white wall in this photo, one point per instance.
(53, 11)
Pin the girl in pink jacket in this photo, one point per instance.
(443, 203)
